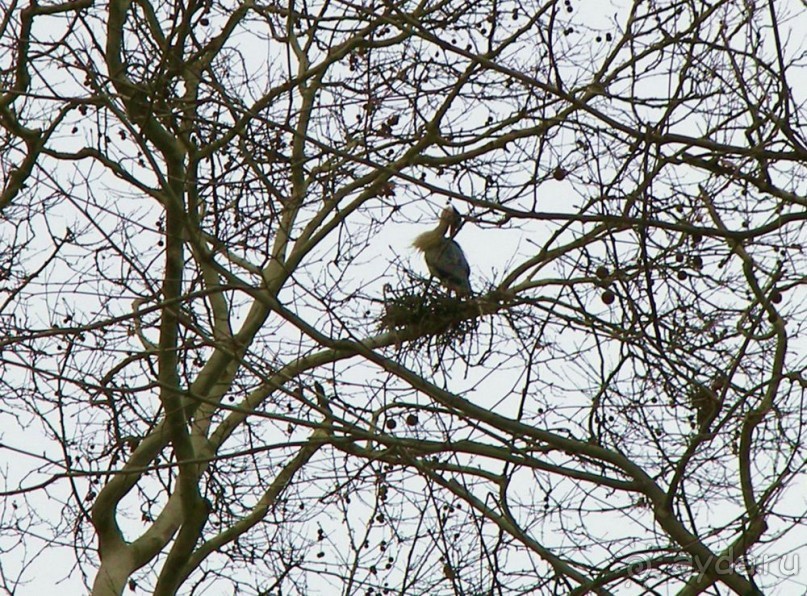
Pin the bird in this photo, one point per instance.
(708, 401)
(443, 255)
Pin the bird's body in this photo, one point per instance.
(443, 255)
(448, 264)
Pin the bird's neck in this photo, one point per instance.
(428, 239)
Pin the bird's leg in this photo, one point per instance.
(426, 292)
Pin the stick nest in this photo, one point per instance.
(424, 310)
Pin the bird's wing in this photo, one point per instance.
(449, 264)
(457, 258)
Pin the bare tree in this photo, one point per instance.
(223, 367)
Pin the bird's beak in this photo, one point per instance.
(456, 223)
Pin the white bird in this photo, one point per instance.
(443, 255)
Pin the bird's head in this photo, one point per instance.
(451, 218)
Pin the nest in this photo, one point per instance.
(423, 310)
